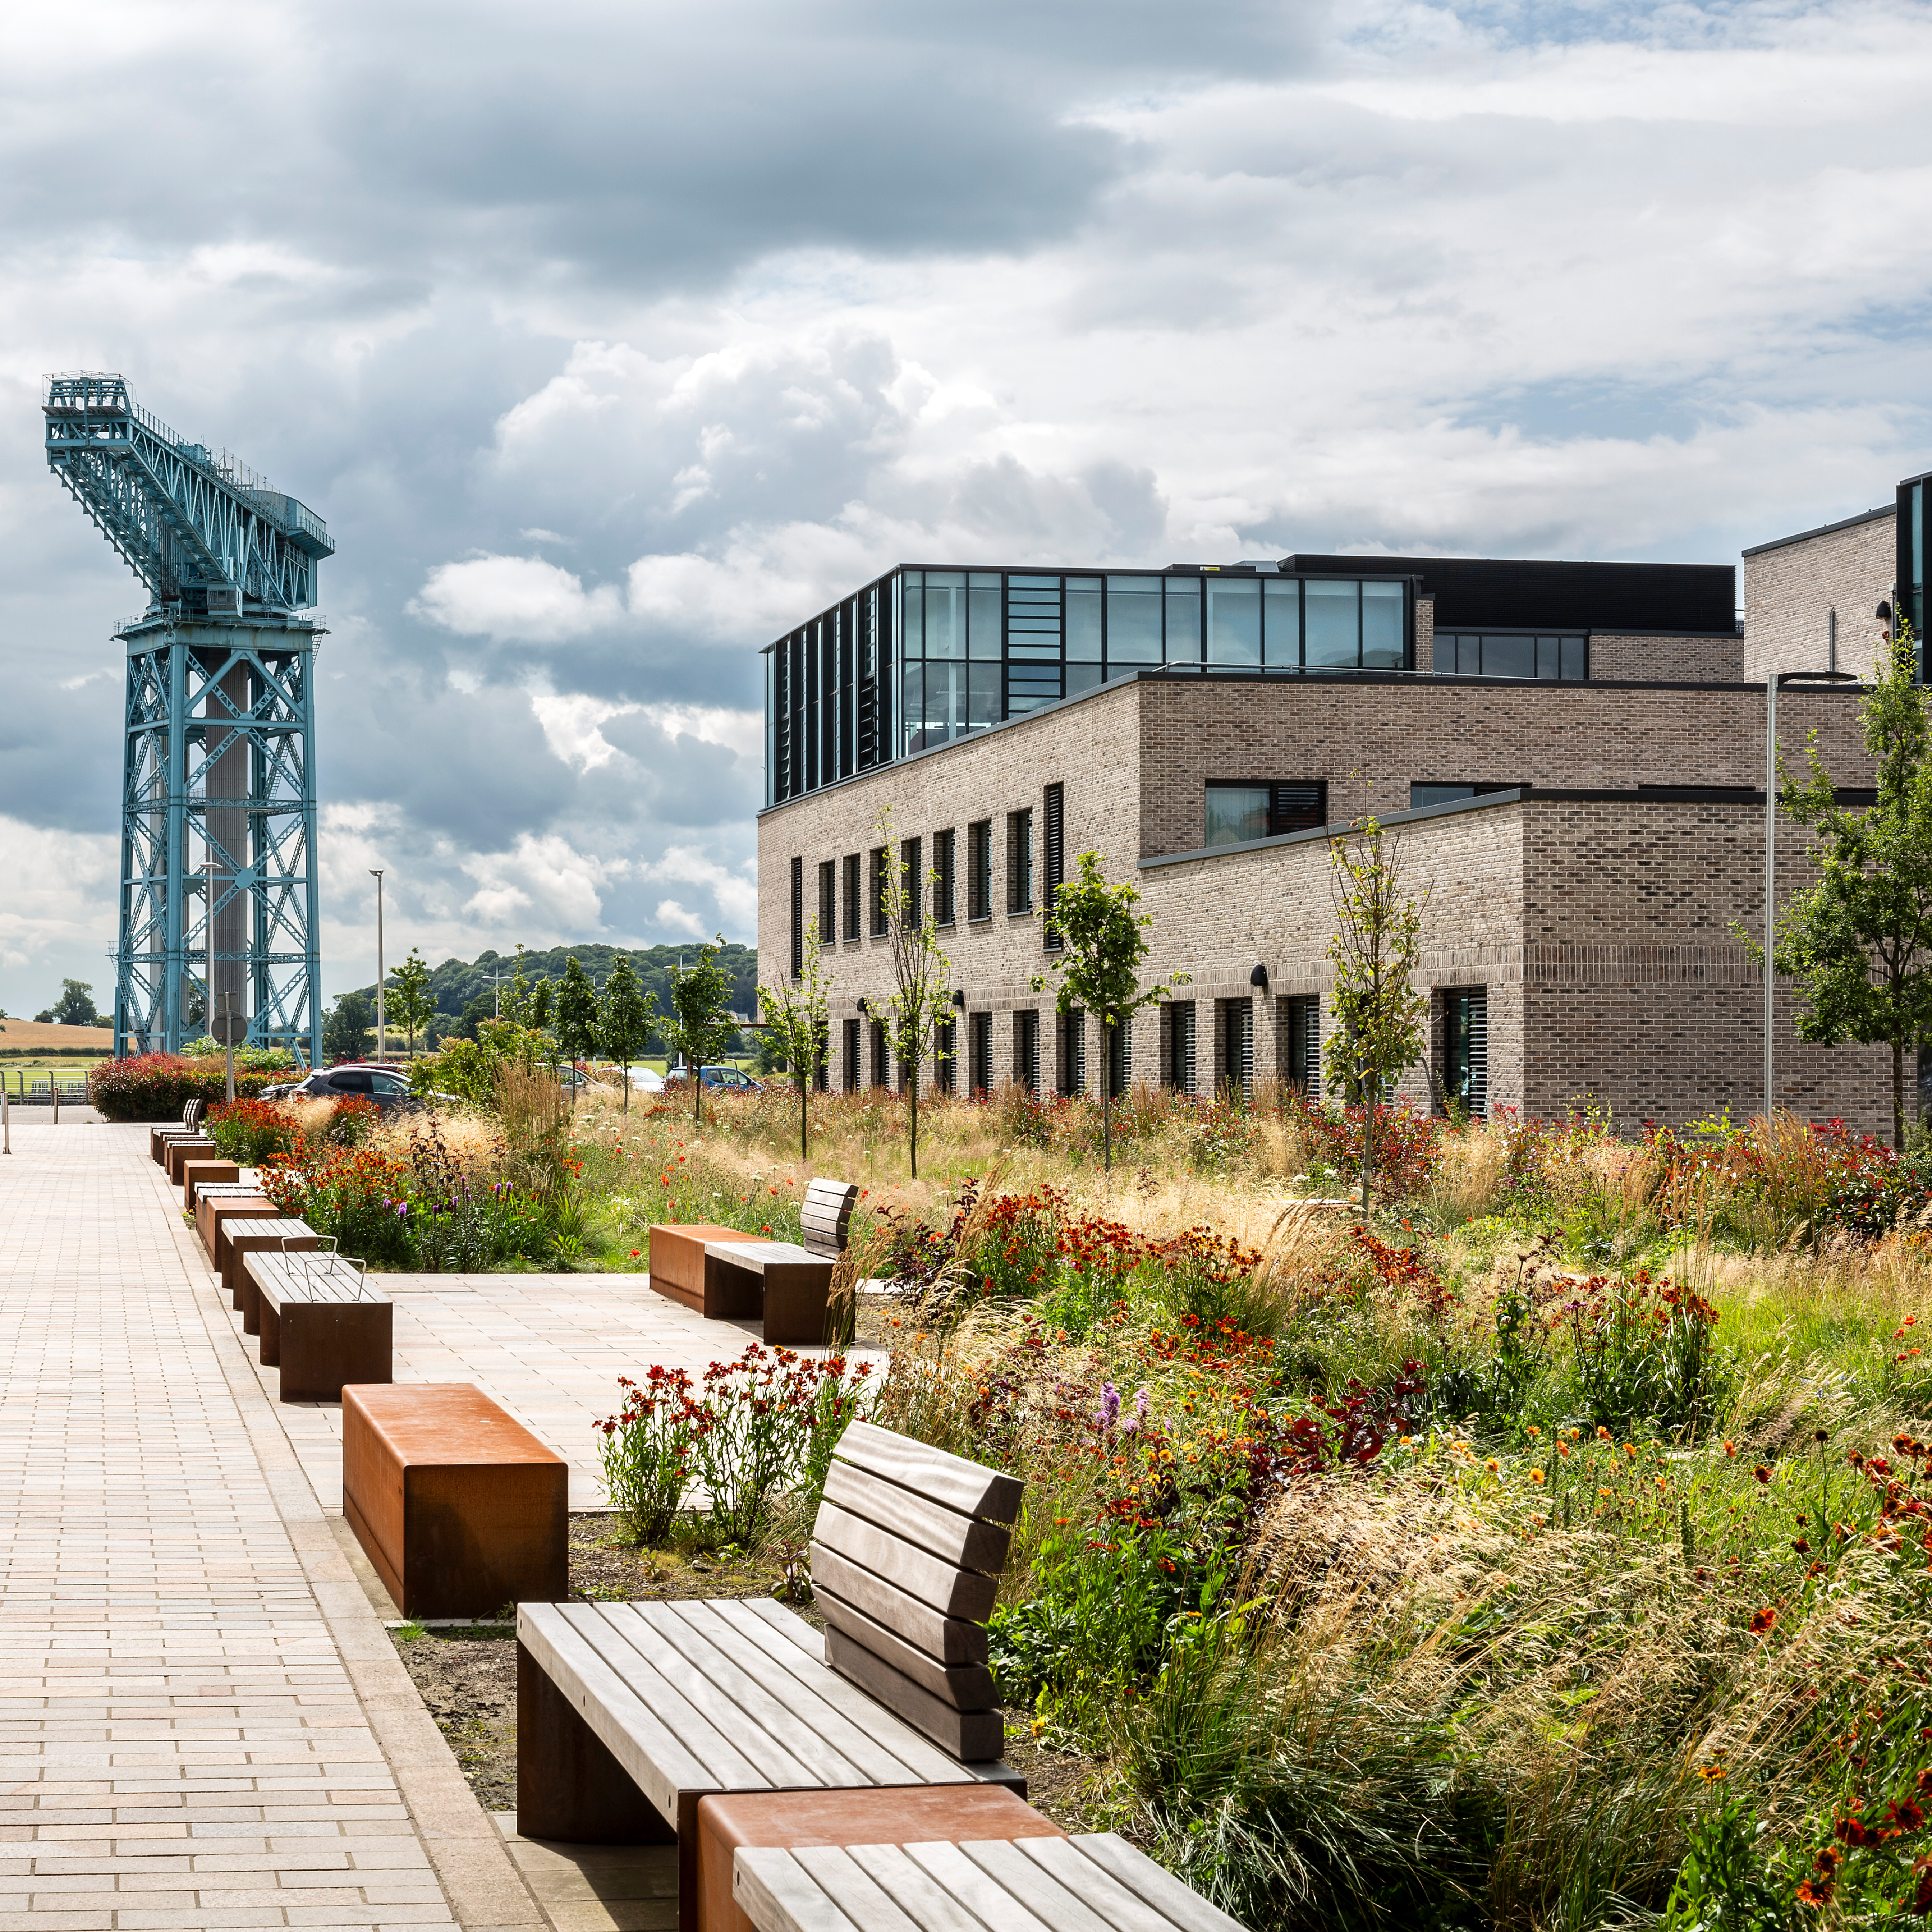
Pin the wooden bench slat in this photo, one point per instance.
(948, 1640)
(831, 1868)
(972, 1737)
(720, 1765)
(811, 1692)
(958, 1593)
(969, 1487)
(915, 1761)
(962, 1540)
(914, 1890)
(655, 1760)
(1182, 1907)
(1040, 1891)
(794, 1629)
(959, 1878)
(777, 1893)
(1124, 1910)
(782, 1746)
(966, 1687)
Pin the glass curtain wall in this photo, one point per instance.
(924, 657)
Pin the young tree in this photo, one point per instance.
(628, 1012)
(1103, 941)
(921, 975)
(410, 998)
(75, 1006)
(1376, 948)
(515, 1005)
(795, 1017)
(699, 1025)
(1859, 942)
(576, 1017)
(345, 1030)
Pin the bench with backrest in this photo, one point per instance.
(726, 1274)
(238, 1239)
(1095, 1882)
(321, 1324)
(159, 1137)
(630, 1714)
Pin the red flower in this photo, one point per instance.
(1765, 1619)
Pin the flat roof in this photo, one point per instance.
(1824, 530)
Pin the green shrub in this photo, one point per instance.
(158, 1086)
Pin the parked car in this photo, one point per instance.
(718, 1079)
(388, 1089)
(647, 1080)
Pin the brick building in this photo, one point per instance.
(1570, 753)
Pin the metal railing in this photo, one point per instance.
(35, 1087)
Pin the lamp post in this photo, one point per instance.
(208, 1003)
(1773, 679)
(376, 873)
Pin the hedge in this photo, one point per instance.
(158, 1086)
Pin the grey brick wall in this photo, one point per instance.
(1687, 660)
(1791, 590)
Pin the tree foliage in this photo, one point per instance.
(576, 1013)
(75, 1006)
(796, 1019)
(699, 1025)
(1856, 942)
(410, 997)
(1103, 941)
(1380, 1017)
(628, 1014)
(346, 1028)
(922, 976)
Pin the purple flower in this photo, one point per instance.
(1138, 1419)
(1110, 1404)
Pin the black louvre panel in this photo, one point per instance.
(1298, 808)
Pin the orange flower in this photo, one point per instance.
(1761, 1624)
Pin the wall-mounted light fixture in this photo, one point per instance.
(959, 999)
(863, 1006)
(1258, 977)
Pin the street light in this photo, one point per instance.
(376, 873)
(1773, 679)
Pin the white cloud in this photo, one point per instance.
(519, 597)
(57, 914)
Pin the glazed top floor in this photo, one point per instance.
(928, 654)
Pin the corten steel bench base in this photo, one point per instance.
(319, 1331)
(158, 1139)
(794, 1820)
(681, 1269)
(212, 1212)
(200, 1148)
(215, 1173)
(458, 1506)
(628, 1714)
(240, 1239)
(1087, 1883)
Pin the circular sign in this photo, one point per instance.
(229, 1029)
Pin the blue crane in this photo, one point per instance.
(218, 885)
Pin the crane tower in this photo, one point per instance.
(217, 790)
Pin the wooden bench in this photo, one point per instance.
(183, 1148)
(1093, 1882)
(159, 1137)
(743, 1275)
(321, 1325)
(458, 1506)
(215, 1207)
(630, 1714)
(238, 1239)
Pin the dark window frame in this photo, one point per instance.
(944, 893)
(1053, 857)
(1019, 862)
(798, 918)
(880, 926)
(1294, 805)
(828, 902)
(980, 870)
(855, 884)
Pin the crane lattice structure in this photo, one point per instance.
(217, 799)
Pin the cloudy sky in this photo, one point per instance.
(610, 340)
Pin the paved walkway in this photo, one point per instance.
(203, 1721)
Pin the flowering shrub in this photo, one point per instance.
(158, 1086)
(1642, 1350)
(646, 1452)
(356, 1194)
(250, 1132)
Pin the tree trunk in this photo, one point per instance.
(1898, 1096)
(804, 1114)
(912, 1118)
(1107, 1099)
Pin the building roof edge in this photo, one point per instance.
(1823, 529)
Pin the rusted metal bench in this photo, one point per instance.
(458, 1506)
(183, 1148)
(1093, 1882)
(159, 1137)
(215, 1207)
(321, 1325)
(741, 1276)
(208, 1171)
(630, 1714)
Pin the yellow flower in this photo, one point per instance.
(1605, 1494)
(1711, 1773)
(1491, 1464)
(1536, 1475)
(1535, 1430)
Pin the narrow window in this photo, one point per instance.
(980, 1052)
(828, 902)
(1056, 855)
(878, 892)
(1236, 1019)
(1180, 1044)
(854, 1071)
(979, 869)
(942, 1056)
(1019, 860)
(1465, 1039)
(853, 875)
(912, 883)
(881, 1059)
(1120, 1060)
(797, 917)
(942, 881)
(1026, 1048)
(1073, 1052)
(821, 1072)
(1302, 1026)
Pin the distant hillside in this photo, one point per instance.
(458, 984)
(35, 1037)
